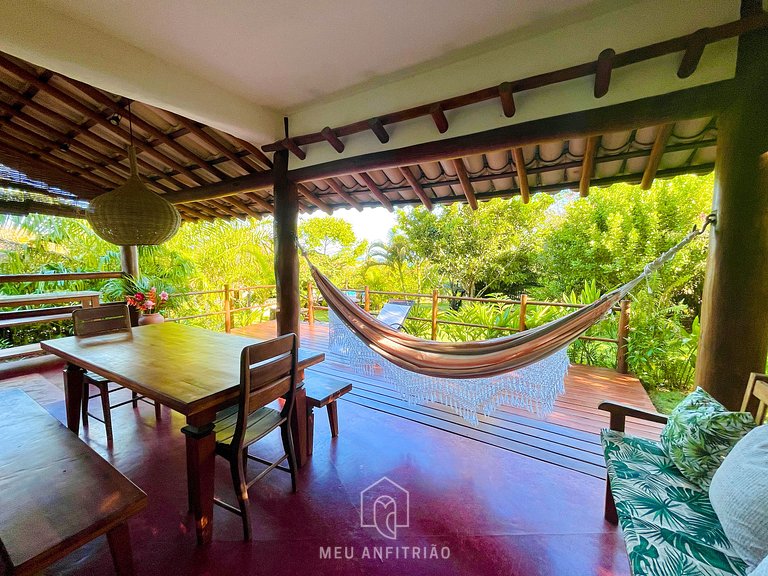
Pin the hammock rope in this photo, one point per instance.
(486, 358)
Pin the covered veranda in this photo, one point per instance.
(683, 94)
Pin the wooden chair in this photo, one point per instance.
(105, 319)
(756, 395)
(267, 373)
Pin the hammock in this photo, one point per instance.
(525, 369)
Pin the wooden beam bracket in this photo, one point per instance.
(439, 117)
(289, 144)
(603, 71)
(377, 127)
(332, 139)
(692, 55)
(506, 95)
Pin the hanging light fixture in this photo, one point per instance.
(133, 215)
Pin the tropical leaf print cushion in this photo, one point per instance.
(700, 433)
(667, 522)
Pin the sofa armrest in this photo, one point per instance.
(619, 413)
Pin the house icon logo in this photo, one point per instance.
(384, 505)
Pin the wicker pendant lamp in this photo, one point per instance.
(133, 215)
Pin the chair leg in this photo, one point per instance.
(84, 404)
(610, 505)
(158, 413)
(135, 399)
(333, 419)
(104, 393)
(241, 491)
(285, 432)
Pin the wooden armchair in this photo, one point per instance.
(755, 401)
(267, 373)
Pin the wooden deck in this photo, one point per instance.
(567, 437)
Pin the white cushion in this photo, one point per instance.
(762, 569)
(739, 493)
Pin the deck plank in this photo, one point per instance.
(567, 437)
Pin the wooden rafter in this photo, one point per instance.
(588, 164)
(336, 187)
(416, 187)
(304, 191)
(607, 61)
(663, 133)
(88, 112)
(522, 174)
(375, 190)
(211, 141)
(466, 185)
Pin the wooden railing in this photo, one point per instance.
(229, 295)
(57, 277)
(523, 302)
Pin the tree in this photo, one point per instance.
(492, 248)
(333, 248)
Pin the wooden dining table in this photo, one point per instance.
(191, 370)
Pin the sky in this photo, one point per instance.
(371, 224)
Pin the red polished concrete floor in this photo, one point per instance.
(494, 511)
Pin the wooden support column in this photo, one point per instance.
(734, 315)
(286, 252)
(288, 289)
(129, 261)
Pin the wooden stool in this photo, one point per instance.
(323, 391)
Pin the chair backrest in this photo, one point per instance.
(101, 320)
(394, 313)
(757, 387)
(267, 373)
(6, 566)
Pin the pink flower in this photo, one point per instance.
(149, 304)
(163, 295)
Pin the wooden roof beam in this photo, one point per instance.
(289, 144)
(332, 139)
(663, 133)
(692, 55)
(439, 118)
(376, 191)
(377, 127)
(336, 187)
(254, 150)
(260, 202)
(506, 95)
(522, 174)
(416, 187)
(304, 191)
(466, 185)
(588, 165)
(27, 207)
(100, 97)
(603, 71)
(211, 141)
(81, 108)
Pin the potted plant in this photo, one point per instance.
(149, 304)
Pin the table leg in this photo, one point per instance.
(73, 395)
(201, 462)
(119, 539)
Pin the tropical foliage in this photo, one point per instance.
(561, 248)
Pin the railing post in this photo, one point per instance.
(621, 339)
(227, 310)
(310, 304)
(523, 306)
(434, 314)
(367, 299)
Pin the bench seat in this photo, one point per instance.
(668, 523)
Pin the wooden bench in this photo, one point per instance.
(56, 493)
(323, 391)
(16, 318)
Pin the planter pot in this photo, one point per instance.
(155, 318)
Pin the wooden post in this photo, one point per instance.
(734, 316)
(286, 254)
(367, 301)
(129, 261)
(310, 304)
(621, 338)
(434, 314)
(227, 310)
(523, 306)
